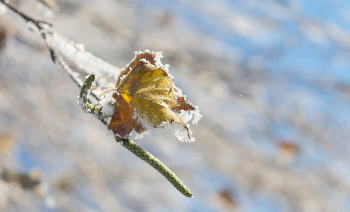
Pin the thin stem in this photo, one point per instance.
(156, 164)
(130, 145)
(25, 16)
(54, 55)
(69, 71)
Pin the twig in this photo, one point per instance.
(130, 145)
(69, 71)
(156, 164)
(37, 23)
(26, 17)
(54, 55)
(80, 84)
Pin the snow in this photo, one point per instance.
(197, 116)
(144, 60)
(80, 102)
(187, 116)
(179, 132)
(83, 59)
(135, 114)
(107, 107)
(157, 58)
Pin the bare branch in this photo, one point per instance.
(26, 17)
(94, 61)
(54, 55)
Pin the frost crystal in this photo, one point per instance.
(83, 59)
(122, 77)
(174, 131)
(157, 58)
(81, 102)
(107, 108)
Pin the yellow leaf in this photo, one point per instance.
(148, 89)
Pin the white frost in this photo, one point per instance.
(179, 132)
(197, 116)
(135, 114)
(187, 116)
(83, 59)
(122, 78)
(107, 108)
(157, 58)
(173, 131)
(81, 102)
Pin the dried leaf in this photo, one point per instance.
(182, 104)
(146, 89)
(122, 122)
(149, 56)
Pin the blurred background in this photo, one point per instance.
(271, 78)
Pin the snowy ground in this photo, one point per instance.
(270, 77)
